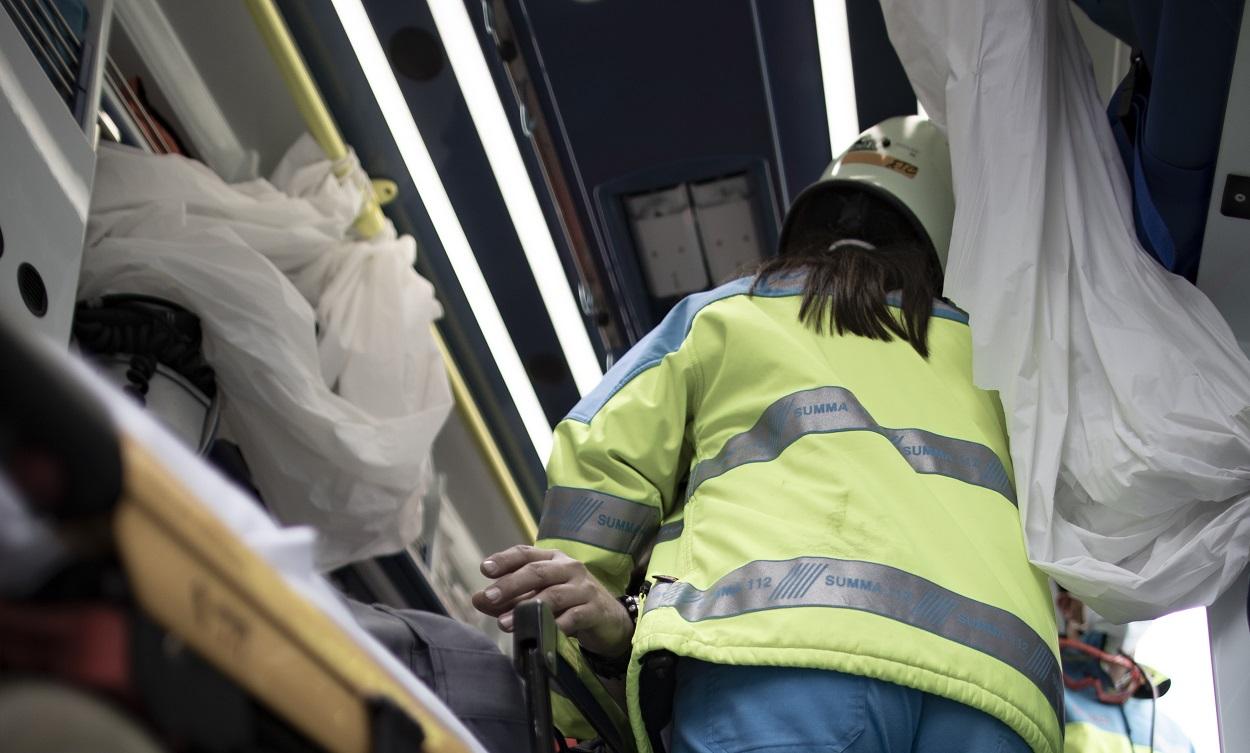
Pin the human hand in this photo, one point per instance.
(583, 608)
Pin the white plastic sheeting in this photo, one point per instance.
(333, 386)
(1125, 391)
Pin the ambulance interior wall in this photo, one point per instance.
(1224, 275)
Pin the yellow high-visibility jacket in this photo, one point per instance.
(814, 500)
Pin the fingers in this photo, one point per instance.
(534, 577)
(559, 599)
(493, 600)
(501, 607)
(566, 596)
(513, 558)
(575, 620)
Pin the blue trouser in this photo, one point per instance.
(729, 709)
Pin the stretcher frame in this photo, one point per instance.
(196, 579)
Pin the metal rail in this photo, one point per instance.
(317, 117)
(472, 417)
(311, 106)
(92, 64)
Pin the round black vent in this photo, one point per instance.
(507, 49)
(547, 368)
(34, 293)
(416, 53)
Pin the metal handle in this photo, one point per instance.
(534, 635)
(309, 102)
(91, 68)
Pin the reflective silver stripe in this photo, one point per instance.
(878, 589)
(827, 410)
(670, 531)
(597, 519)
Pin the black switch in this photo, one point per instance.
(1236, 197)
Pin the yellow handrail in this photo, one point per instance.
(322, 127)
(310, 104)
(472, 418)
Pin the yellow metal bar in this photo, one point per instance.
(472, 417)
(317, 117)
(309, 102)
(385, 190)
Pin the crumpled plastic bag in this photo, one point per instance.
(332, 384)
(1125, 391)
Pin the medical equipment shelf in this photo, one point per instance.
(48, 168)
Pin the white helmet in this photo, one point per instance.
(897, 172)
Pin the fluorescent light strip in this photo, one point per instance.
(833, 38)
(469, 64)
(416, 156)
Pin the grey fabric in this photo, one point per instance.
(460, 664)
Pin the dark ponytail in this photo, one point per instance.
(850, 274)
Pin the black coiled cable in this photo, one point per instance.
(139, 375)
(152, 331)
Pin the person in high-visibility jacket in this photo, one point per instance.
(1111, 701)
(819, 497)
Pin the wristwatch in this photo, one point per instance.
(630, 602)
